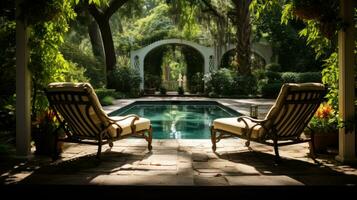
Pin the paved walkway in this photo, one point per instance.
(180, 163)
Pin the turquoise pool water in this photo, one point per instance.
(178, 119)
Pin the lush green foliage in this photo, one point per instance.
(291, 50)
(196, 84)
(219, 83)
(126, 80)
(330, 77)
(94, 69)
(7, 64)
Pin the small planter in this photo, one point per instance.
(324, 141)
(150, 91)
(45, 143)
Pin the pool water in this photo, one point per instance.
(180, 119)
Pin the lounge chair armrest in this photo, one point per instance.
(259, 121)
(136, 117)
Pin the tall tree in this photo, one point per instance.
(102, 16)
(240, 16)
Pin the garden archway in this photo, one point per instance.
(137, 57)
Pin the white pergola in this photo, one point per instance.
(346, 44)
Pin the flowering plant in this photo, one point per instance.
(46, 121)
(325, 120)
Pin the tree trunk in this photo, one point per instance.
(243, 49)
(96, 40)
(102, 18)
(109, 50)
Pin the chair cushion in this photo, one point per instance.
(231, 125)
(141, 124)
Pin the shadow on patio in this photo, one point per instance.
(182, 163)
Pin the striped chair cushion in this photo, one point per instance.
(78, 104)
(295, 106)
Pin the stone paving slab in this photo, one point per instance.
(262, 180)
(132, 164)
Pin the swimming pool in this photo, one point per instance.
(178, 119)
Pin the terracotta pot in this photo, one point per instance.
(323, 141)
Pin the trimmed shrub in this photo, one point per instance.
(275, 67)
(273, 77)
(125, 80)
(289, 77)
(295, 77)
(310, 77)
(271, 90)
(107, 100)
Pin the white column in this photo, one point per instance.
(206, 64)
(346, 44)
(23, 89)
(141, 64)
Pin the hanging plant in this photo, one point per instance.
(37, 11)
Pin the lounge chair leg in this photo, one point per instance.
(247, 143)
(99, 149)
(213, 139)
(149, 139)
(276, 150)
(312, 146)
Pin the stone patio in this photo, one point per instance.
(180, 162)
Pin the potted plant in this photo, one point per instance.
(151, 82)
(324, 125)
(44, 132)
(180, 90)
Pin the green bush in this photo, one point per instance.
(196, 83)
(244, 85)
(162, 90)
(275, 67)
(125, 80)
(220, 82)
(180, 90)
(310, 77)
(107, 100)
(103, 92)
(289, 77)
(271, 90)
(295, 77)
(273, 77)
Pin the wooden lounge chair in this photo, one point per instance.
(81, 116)
(284, 123)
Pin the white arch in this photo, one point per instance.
(137, 57)
(263, 49)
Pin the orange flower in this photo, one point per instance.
(324, 111)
